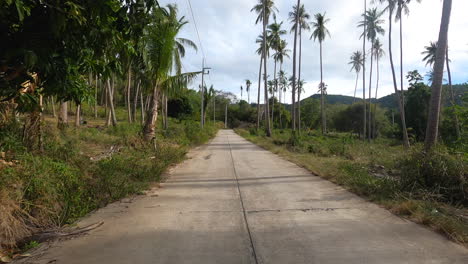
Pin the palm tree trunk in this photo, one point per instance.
(434, 107)
(364, 71)
(259, 93)
(129, 94)
(401, 62)
(110, 92)
(96, 96)
(280, 91)
(63, 115)
(299, 80)
(166, 119)
(355, 87)
(374, 131)
(322, 101)
(52, 102)
(273, 99)
(267, 124)
(452, 95)
(370, 95)
(78, 115)
(135, 100)
(293, 108)
(142, 105)
(395, 86)
(149, 130)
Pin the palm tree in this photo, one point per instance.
(434, 108)
(260, 52)
(372, 23)
(430, 53)
(378, 54)
(402, 7)
(274, 39)
(300, 19)
(364, 74)
(319, 33)
(281, 53)
(390, 8)
(248, 83)
(283, 83)
(242, 90)
(161, 53)
(356, 62)
(264, 9)
(293, 106)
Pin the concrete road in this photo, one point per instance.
(233, 202)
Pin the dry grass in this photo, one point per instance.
(353, 171)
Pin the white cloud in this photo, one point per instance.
(228, 34)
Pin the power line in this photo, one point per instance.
(196, 28)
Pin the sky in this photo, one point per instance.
(228, 32)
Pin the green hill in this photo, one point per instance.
(389, 100)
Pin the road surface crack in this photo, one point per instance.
(252, 246)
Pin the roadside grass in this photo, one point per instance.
(56, 187)
(379, 171)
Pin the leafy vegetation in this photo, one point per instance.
(83, 169)
(429, 189)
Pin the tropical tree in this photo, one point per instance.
(248, 83)
(390, 8)
(161, 55)
(283, 85)
(293, 78)
(265, 9)
(430, 54)
(430, 58)
(434, 107)
(281, 53)
(242, 90)
(260, 52)
(274, 34)
(300, 19)
(320, 32)
(402, 7)
(356, 62)
(378, 51)
(373, 26)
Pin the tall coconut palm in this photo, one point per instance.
(436, 94)
(248, 83)
(320, 32)
(356, 62)
(279, 56)
(242, 90)
(364, 74)
(390, 8)
(402, 7)
(293, 106)
(283, 84)
(161, 54)
(430, 53)
(260, 52)
(274, 34)
(373, 25)
(300, 19)
(378, 54)
(265, 9)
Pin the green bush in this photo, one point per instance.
(438, 172)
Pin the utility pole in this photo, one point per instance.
(214, 107)
(225, 116)
(202, 120)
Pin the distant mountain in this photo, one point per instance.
(336, 99)
(389, 101)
